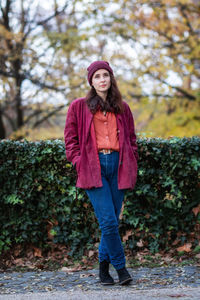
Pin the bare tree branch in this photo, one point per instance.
(58, 108)
(43, 22)
(156, 95)
(33, 80)
(5, 13)
(182, 9)
(179, 89)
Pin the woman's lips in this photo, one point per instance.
(103, 85)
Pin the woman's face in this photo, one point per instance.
(101, 81)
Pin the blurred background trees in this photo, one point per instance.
(45, 48)
(162, 40)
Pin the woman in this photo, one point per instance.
(100, 141)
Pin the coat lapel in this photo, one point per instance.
(120, 129)
(88, 119)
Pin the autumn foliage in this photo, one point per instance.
(152, 46)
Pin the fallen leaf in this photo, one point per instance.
(71, 270)
(140, 244)
(175, 242)
(185, 248)
(37, 252)
(142, 280)
(91, 253)
(196, 210)
(30, 266)
(126, 236)
(86, 275)
(18, 261)
(167, 258)
(17, 250)
(65, 269)
(29, 254)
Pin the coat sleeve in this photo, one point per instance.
(132, 133)
(72, 147)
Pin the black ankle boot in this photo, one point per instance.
(104, 275)
(124, 276)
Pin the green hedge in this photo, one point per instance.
(38, 194)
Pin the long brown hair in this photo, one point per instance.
(113, 101)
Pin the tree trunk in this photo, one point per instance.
(18, 101)
(2, 128)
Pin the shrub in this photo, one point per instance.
(39, 201)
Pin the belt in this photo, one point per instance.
(106, 151)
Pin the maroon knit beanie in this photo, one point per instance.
(96, 65)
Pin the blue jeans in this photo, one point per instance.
(107, 203)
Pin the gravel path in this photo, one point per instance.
(156, 283)
(157, 294)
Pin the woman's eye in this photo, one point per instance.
(97, 76)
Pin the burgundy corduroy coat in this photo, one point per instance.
(81, 148)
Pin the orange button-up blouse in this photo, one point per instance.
(106, 131)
